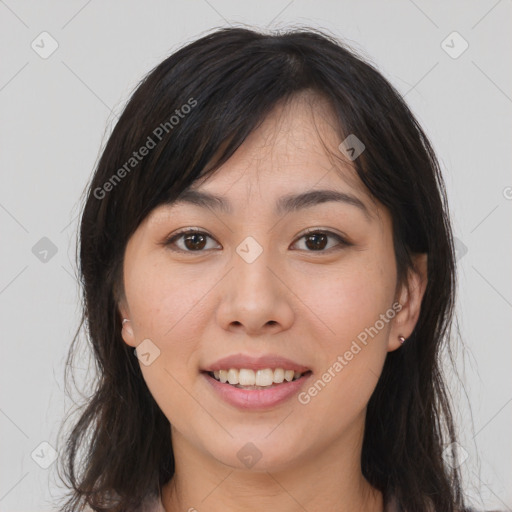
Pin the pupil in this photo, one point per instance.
(315, 237)
(193, 246)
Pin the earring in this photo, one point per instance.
(401, 339)
(125, 320)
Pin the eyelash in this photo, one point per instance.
(169, 241)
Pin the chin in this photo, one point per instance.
(257, 453)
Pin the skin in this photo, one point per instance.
(301, 303)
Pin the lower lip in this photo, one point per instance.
(254, 399)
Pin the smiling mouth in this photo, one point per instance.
(266, 379)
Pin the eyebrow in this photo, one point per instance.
(285, 204)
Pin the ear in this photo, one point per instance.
(409, 296)
(127, 329)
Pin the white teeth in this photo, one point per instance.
(232, 376)
(245, 377)
(265, 377)
(278, 375)
(288, 375)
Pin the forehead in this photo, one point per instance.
(294, 151)
(296, 147)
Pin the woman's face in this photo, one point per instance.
(255, 284)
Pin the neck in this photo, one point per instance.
(331, 480)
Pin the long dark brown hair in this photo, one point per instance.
(197, 107)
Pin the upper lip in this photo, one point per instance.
(240, 361)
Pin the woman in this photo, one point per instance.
(268, 274)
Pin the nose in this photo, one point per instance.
(255, 298)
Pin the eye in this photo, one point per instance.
(316, 240)
(194, 240)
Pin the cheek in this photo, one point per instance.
(165, 303)
(165, 299)
(349, 306)
(349, 300)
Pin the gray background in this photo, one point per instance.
(58, 111)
